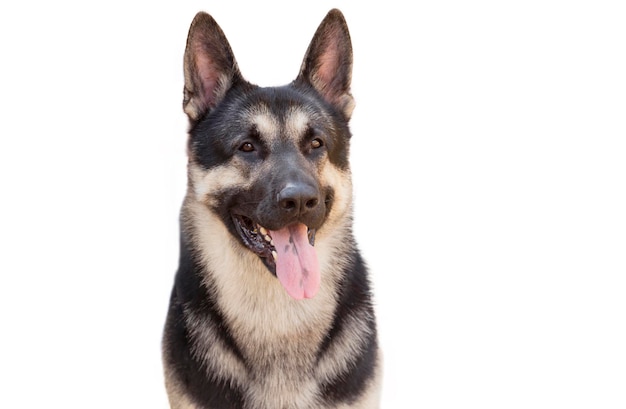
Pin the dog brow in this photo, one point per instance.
(266, 123)
(297, 122)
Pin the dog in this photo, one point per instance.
(271, 306)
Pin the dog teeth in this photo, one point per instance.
(267, 238)
(275, 255)
(263, 230)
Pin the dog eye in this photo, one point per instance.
(317, 143)
(246, 147)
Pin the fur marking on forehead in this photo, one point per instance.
(297, 122)
(294, 124)
(265, 121)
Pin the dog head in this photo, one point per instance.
(270, 161)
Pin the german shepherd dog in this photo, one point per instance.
(271, 306)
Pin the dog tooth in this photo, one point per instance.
(263, 230)
(267, 238)
(275, 255)
(272, 242)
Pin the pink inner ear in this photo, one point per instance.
(208, 77)
(327, 69)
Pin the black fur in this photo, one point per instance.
(355, 298)
(190, 293)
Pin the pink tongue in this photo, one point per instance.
(297, 268)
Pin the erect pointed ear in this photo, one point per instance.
(210, 67)
(327, 64)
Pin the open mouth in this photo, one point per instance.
(288, 253)
(259, 239)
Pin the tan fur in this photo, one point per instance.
(214, 180)
(176, 394)
(259, 310)
(266, 123)
(297, 121)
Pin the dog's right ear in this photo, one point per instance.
(210, 67)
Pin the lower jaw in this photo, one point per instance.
(257, 239)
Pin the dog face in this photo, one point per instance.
(267, 160)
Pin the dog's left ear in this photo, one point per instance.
(327, 64)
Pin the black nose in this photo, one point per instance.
(298, 198)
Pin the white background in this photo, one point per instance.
(489, 165)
